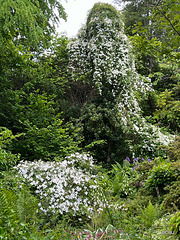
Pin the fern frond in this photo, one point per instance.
(8, 208)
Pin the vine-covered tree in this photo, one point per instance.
(102, 57)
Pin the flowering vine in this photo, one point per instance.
(102, 54)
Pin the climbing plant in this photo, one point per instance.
(102, 56)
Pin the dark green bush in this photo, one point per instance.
(7, 159)
(173, 151)
(55, 139)
(160, 176)
(171, 200)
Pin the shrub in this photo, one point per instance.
(173, 151)
(175, 224)
(135, 205)
(160, 176)
(171, 200)
(63, 188)
(55, 139)
(7, 159)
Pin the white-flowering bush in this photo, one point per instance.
(63, 187)
(102, 54)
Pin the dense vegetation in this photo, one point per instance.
(89, 127)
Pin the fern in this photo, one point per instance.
(149, 214)
(8, 209)
(17, 213)
(175, 224)
(26, 206)
(4, 206)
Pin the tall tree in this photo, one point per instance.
(102, 57)
(166, 14)
(155, 38)
(155, 28)
(25, 27)
(29, 22)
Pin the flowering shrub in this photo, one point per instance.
(63, 187)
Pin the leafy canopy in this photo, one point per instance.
(29, 21)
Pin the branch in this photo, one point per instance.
(161, 12)
(168, 21)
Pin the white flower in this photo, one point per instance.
(59, 185)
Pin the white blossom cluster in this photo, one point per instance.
(102, 53)
(63, 187)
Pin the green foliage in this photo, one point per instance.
(166, 15)
(153, 27)
(149, 215)
(17, 213)
(175, 223)
(160, 229)
(160, 176)
(167, 112)
(121, 181)
(7, 159)
(171, 200)
(99, 219)
(167, 76)
(135, 205)
(28, 22)
(34, 90)
(48, 141)
(103, 10)
(31, 101)
(99, 123)
(173, 150)
(145, 52)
